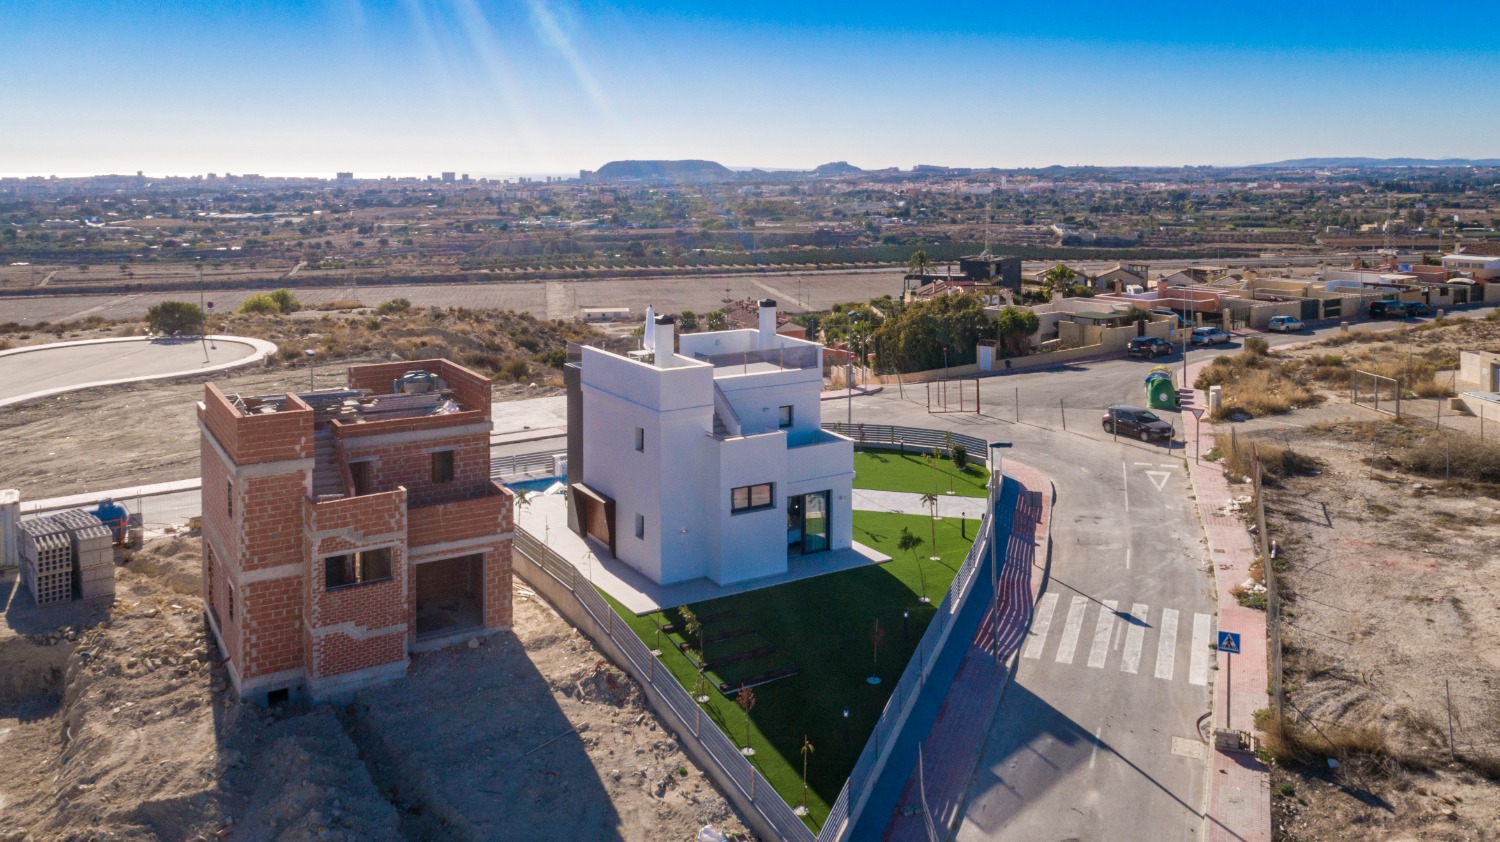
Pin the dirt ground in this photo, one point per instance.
(1391, 603)
(118, 436)
(115, 724)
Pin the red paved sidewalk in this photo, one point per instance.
(952, 746)
(1239, 787)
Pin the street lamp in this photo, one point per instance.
(846, 726)
(312, 354)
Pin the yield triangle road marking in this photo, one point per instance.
(1159, 479)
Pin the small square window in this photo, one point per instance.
(640, 439)
(749, 498)
(229, 499)
(229, 588)
(786, 416)
(640, 527)
(442, 466)
(341, 571)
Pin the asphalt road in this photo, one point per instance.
(60, 368)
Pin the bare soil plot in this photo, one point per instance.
(1391, 593)
(116, 725)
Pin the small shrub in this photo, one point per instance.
(1256, 346)
(553, 358)
(960, 456)
(175, 318)
(260, 303)
(517, 369)
(287, 302)
(395, 305)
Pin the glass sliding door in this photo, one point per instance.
(815, 522)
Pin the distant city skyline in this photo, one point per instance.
(532, 87)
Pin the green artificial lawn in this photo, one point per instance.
(821, 626)
(890, 470)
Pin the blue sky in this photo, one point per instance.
(534, 86)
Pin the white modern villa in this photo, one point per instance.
(708, 461)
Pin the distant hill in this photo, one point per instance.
(837, 168)
(1372, 163)
(671, 171)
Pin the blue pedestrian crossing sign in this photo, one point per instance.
(1229, 642)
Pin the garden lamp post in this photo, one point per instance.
(312, 366)
(846, 726)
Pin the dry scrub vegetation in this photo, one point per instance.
(505, 345)
(1391, 622)
(1257, 382)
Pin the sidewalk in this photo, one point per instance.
(910, 503)
(952, 746)
(1239, 801)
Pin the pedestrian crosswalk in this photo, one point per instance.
(1119, 637)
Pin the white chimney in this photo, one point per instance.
(663, 333)
(767, 323)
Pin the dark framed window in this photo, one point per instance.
(229, 498)
(640, 527)
(342, 571)
(786, 416)
(442, 466)
(749, 498)
(640, 439)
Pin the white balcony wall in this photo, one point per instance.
(751, 544)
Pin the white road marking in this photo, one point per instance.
(1198, 663)
(1040, 626)
(1094, 752)
(1127, 558)
(1102, 633)
(1166, 646)
(1125, 472)
(1069, 643)
(1135, 638)
(1158, 479)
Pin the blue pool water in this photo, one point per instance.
(538, 484)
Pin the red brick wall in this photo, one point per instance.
(410, 465)
(272, 623)
(368, 522)
(437, 580)
(337, 653)
(476, 518)
(497, 582)
(258, 438)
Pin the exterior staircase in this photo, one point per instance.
(328, 480)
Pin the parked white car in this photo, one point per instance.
(1209, 336)
(1285, 324)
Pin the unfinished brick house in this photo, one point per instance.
(345, 529)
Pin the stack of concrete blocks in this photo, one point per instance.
(93, 553)
(47, 561)
(67, 554)
(10, 528)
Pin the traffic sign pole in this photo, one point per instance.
(1229, 644)
(1198, 429)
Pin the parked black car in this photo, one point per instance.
(1146, 347)
(1396, 309)
(1136, 421)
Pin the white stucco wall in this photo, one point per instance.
(682, 482)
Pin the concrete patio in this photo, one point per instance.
(545, 516)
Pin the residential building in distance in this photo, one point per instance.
(344, 529)
(708, 461)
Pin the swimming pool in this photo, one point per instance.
(536, 485)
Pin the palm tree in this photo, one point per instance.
(877, 634)
(692, 626)
(910, 543)
(918, 263)
(807, 748)
(746, 701)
